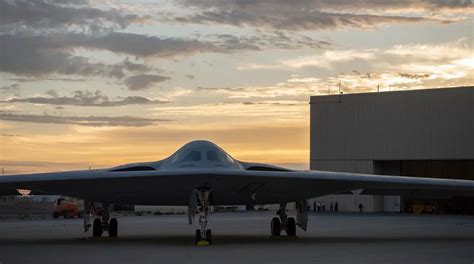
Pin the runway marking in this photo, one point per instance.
(200, 244)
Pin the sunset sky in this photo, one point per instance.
(101, 82)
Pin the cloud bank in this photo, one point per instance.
(320, 14)
(94, 121)
(86, 98)
(143, 81)
(48, 14)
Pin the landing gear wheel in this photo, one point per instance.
(202, 196)
(113, 227)
(97, 228)
(198, 236)
(55, 215)
(209, 236)
(276, 226)
(290, 227)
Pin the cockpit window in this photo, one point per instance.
(175, 158)
(212, 156)
(193, 156)
(229, 159)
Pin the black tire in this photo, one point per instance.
(198, 236)
(113, 227)
(209, 236)
(55, 215)
(276, 226)
(290, 227)
(97, 228)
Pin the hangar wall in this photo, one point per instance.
(366, 132)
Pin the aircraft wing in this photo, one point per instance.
(173, 187)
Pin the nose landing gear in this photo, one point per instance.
(201, 196)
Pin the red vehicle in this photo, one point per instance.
(66, 209)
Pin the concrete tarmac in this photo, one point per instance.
(244, 238)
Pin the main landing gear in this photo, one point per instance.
(201, 197)
(283, 222)
(104, 223)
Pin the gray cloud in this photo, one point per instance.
(47, 14)
(300, 20)
(233, 43)
(134, 67)
(312, 14)
(38, 56)
(275, 39)
(415, 75)
(143, 45)
(45, 54)
(226, 89)
(48, 54)
(52, 93)
(143, 81)
(94, 121)
(325, 4)
(41, 55)
(64, 79)
(85, 98)
(13, 89)
(284, 41)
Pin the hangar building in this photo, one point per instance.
(422, 133)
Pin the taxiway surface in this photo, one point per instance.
(244, 238)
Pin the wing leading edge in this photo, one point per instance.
(230, 186)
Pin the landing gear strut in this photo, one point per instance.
(202, 197)
(104, 223)
(283, 222)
